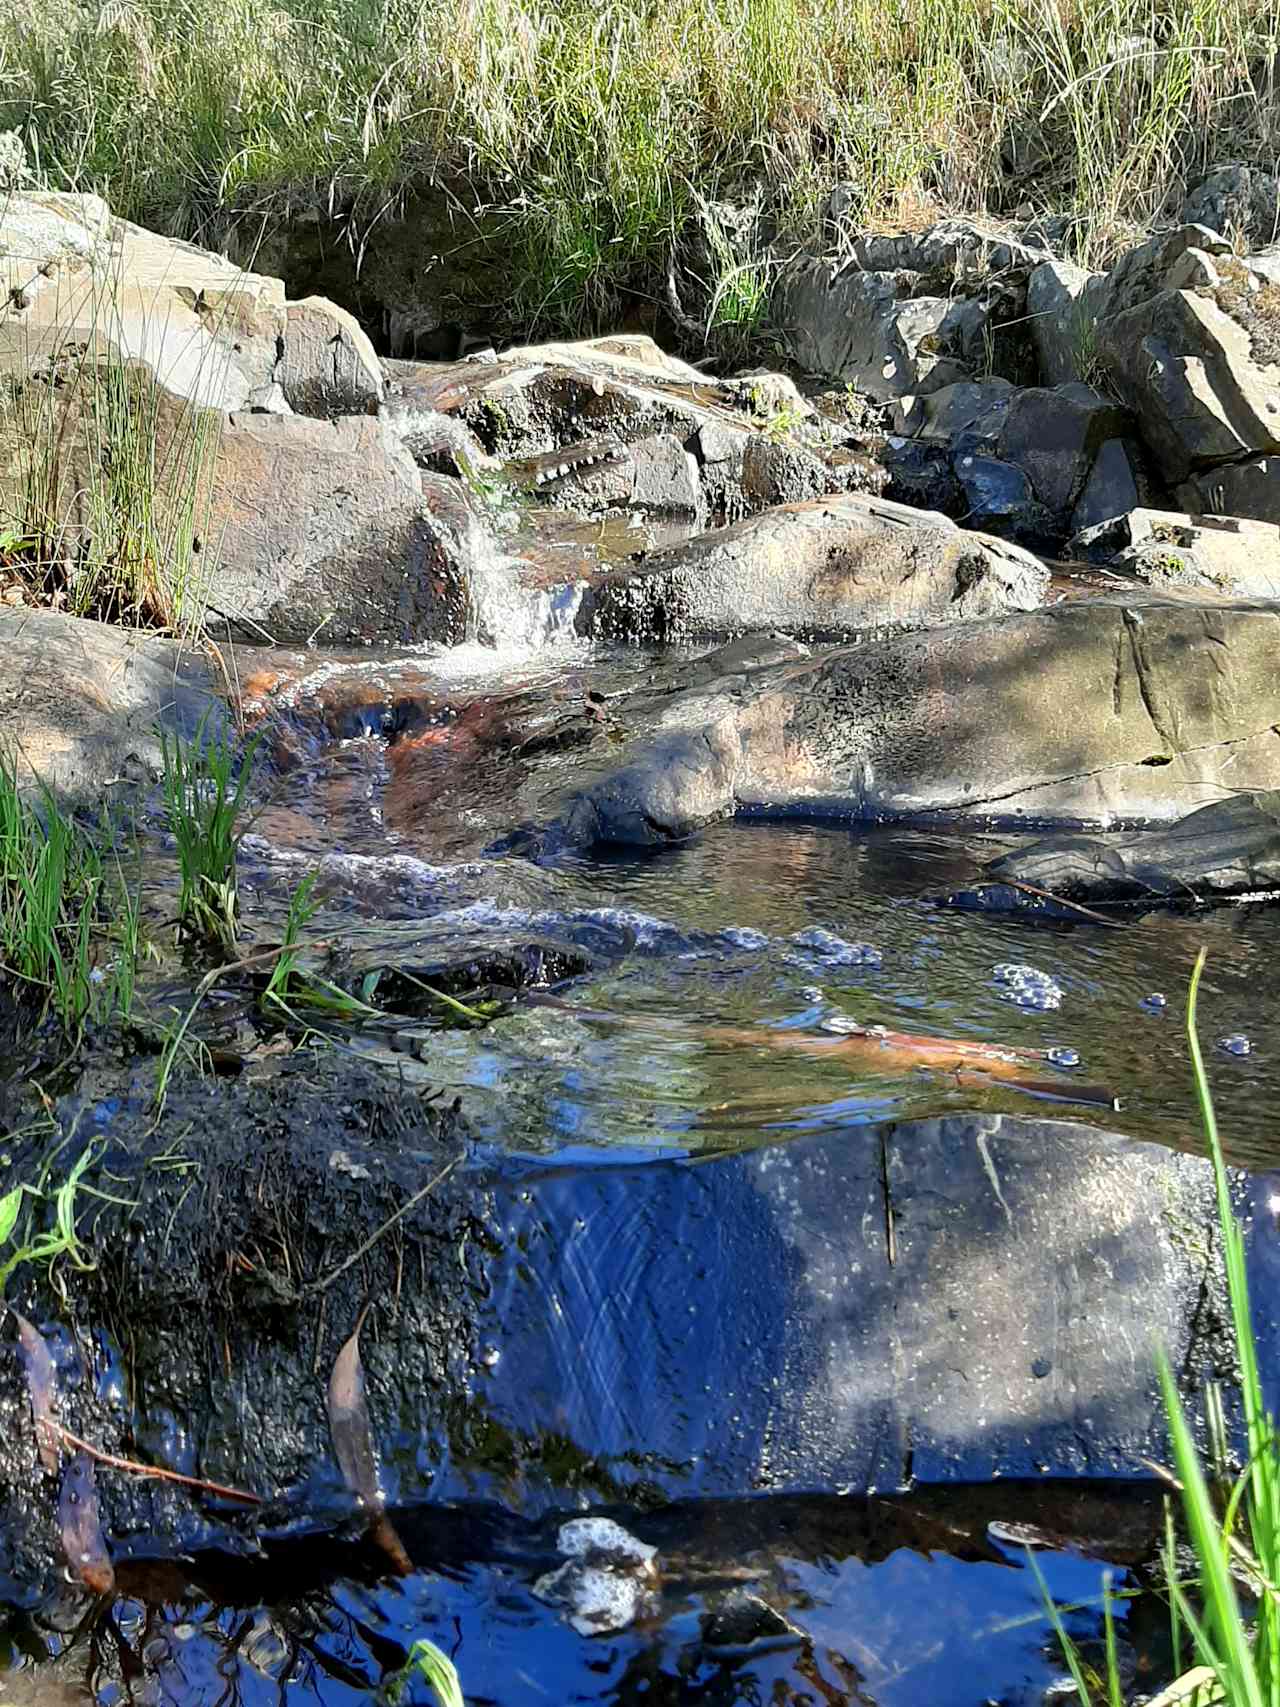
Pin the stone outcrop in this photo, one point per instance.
(317, 530)
(1201, 389)
(1229, 848)
(1042, 462)
(818, 568)
(82, 703)
(1243, 199)
(1223, 553)
(1089, 713)
(211, 332)
(905, 313)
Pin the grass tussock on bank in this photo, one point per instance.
(598, 136)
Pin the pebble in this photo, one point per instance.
(1027, 986)
(1157, 1001)
(834, 950)
(1063, 1057)
(1236, 1044)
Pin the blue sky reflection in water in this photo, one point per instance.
(644, 1072)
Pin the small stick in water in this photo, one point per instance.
(37, 1364)
(351, 1430)
(80, 1525)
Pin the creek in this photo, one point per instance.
(676, 979)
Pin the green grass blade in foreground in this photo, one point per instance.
(1263, 1470)
(1069, 1653)
(1222, 1639)
(435, 1668)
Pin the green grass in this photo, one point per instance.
(1233, 1529)
(68, 920)
(583, 147)
(204, 788)
(104, 483)
(426, 1662)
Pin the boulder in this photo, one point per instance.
(1081, 713)
(1159, 264)
(82, 703)
(318, 530)
(1242, 200)
(613, 424)
(329, 366)
(272, 526)
(1205, 390)
(213, 333)
(978, 409)
(1227, 554)
(823, 566)
(1111, 488)
(1231, 847)
(963, 251)
(869, 330)
(1250, 488)
(1055, 437)
(1027, 458)
(1063, 302)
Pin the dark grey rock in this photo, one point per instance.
(1228, 848)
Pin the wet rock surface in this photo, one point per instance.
(549, 1333)
(1087, 713)
(1229, 848)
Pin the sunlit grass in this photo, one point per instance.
(1233, 1528)
(590, 140)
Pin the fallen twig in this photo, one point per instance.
(1059, 901)
(405, 1208)
(154, 1470)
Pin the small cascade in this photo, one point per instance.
(505, 613)
(506, 610)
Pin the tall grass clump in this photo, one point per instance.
(204, 786)
(61, 908)
(105, 481)
(588, 149)
(1233, 1526)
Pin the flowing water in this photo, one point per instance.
(695, 970)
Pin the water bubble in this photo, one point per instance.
(1063, 1057)
(834, 950)
(1236, 1044)
(1157, 1001)
(1027, 986)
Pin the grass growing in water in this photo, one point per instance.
(204, 793)
(434, 1667)
(1234, 1539)
(580, 143)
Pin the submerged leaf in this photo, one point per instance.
(81, 1527)
(351, 1431)
(37, 1364)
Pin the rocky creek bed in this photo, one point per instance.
(816, 1168)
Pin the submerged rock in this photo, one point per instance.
(944, 1300)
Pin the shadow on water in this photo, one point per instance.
(893, 1601)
